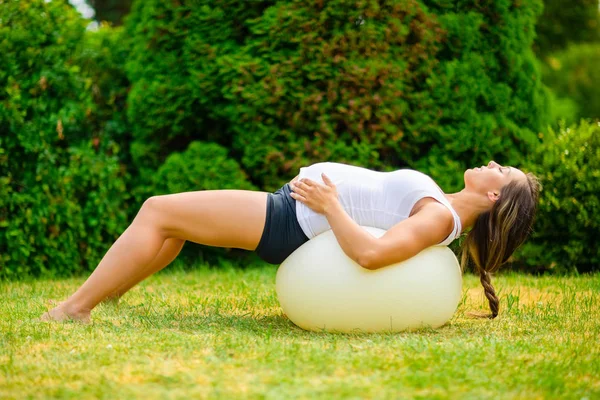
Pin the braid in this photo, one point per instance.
(490, 293)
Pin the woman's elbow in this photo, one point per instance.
(367, 261)
(375, 261)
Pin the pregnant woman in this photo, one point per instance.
(497, 206)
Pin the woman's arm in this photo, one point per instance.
(428, 227)
(356, 242)
(323, 199)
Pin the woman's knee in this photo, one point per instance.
(152, 211)
(152, 203)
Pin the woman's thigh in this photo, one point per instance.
(222, 218)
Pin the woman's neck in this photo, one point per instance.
(468, 206)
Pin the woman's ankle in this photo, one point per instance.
(74, 309)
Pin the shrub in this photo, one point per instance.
(101, 55)
(110, 10)
(574, 74)
(61, 200)
(382, 84)
(560, 26)
(203, 166)
(563, 109)
(567, 227)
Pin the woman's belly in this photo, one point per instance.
(360, 192)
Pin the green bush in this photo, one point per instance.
(101, 56)
(563, 24)
(562, 109)
(203, 166)
(574, 74)
(263, 87)
(110, 10)
(61, 200)
(567, 227)
(435, 86)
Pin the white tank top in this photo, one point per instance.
(372, 198)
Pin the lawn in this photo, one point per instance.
(221, 334)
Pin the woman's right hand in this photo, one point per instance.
(294, 180)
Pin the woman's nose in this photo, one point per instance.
(491, 164)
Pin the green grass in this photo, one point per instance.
(221, 334)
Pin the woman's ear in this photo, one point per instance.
(493, 196)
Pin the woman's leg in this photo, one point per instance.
(169, 252)
(222, 218)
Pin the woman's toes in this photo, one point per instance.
(46, 317)
(58, 315)
(54, 315)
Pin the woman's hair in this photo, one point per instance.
(497, 233)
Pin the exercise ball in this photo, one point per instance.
(321, 289)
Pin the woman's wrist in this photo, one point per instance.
(354, 240)
(332, 208)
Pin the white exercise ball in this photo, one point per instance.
(321, 289)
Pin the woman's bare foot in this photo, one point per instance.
(113, 301)
(63, 312)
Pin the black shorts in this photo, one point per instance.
(282, 233)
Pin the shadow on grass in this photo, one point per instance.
(259, 325)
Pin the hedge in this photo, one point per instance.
(565, 238)
(435, 86)
(62, 199)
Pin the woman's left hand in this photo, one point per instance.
(316, 196)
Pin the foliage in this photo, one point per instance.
(112, 11)
(435, 86)
(203, 166)
(101, 56)
(574, 74)
(567, 227)
(563, 109)
(61, 198)
(199, 94)
(563, 23)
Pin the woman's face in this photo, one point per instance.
(490, 179)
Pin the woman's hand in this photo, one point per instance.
(317, 197)
(293, 181)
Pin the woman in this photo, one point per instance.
(498, 203)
